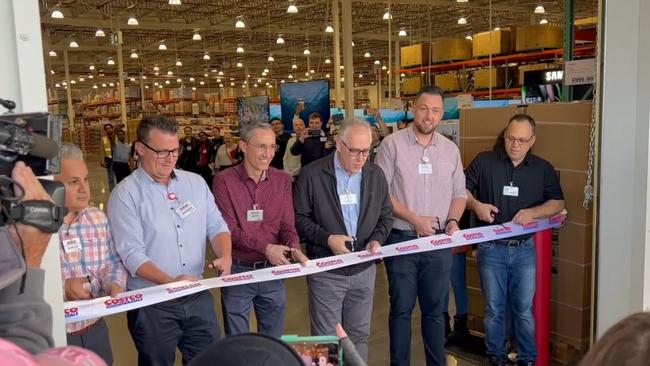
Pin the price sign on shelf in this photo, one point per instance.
(580, 72)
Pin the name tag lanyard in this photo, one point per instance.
(256, 212)
(82, 262)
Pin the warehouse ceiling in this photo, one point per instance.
(265, 20)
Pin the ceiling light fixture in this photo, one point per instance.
(367, 54)
(162, 46)
(240, 22)
(306, 51)
(461, 1)
(469, 38)
(73, 44)
(91, 67)
(328, 61)
(134, 55)
(100, 33)
(462, 20)
(52, 53)
(178, 62)
(540, 10)
(110, 61)
(170, 73)
(156, 68)
(206, 56)
(239, 64)
(132, 21)
(402, 32)
(240, 49)
(292, 9)
(543, 21)
(271, 58)
(294, 66)
(377, 62)
(220, 73)
(57, 14)
(280, 40)
(387, 15)
(329, 28)
(174, 2)
(196, 37)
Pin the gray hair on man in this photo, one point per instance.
(70, 151)
(353, 123)
(246, 132)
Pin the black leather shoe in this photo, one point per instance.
(525, 363)
(496, 362)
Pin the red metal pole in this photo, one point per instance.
(542, 301)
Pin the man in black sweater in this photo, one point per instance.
(342, 205)
(313, 143)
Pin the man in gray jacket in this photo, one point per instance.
(342, 205)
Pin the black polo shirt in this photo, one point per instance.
(491, 171)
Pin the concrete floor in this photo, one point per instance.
(296, 322)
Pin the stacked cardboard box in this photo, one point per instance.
(495, 42)
(411, 85)
(414, 55)
(482, 78)
(451, 49)
(538, 36)
(562, 139)
(452, 81)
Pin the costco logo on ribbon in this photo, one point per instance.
(556, 218)
(531, 225)
(407, 248)
(369, 255)
(472, 236)
(332, 262)
(172, 290)
(72, 312)
(502, 230)
(243, 277)
(442, 241)
(280, 272)
(112, 303)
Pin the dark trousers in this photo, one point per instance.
(95, 339)
(189, 323)
(421, 276)
(268, 298)
(206, 173)
(122, 170)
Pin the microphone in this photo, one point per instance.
(21, 141)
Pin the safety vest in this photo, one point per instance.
(108, 148)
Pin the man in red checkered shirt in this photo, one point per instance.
(90, 266)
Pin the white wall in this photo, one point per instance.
(22, 79)
(624, 224)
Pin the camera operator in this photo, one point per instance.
(25, 317)
(313, 143)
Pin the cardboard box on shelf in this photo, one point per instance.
(576, 242)
(414, 55)
(482, 78)
(538, 36)
(571, 112)
(485, 122)
(573, 284)
(566, 354)
(570, 325)
(411, 85)
(495, 42)
(564, 145)
(573, 185)
(451, 81)
(451, 49)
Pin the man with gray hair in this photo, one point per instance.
(342, 205)
(161, 218)
(90, 266)
(256, 202)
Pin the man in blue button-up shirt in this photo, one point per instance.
(160, 218)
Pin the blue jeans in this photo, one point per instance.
(267, 297)
(508, 277)
(189, 323)
(422, 276)
(458, 284)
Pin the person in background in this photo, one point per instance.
(217, 139)
(227, 154)
(204, 152)
(503, 185)
(291, 162)
(626, 343)
(257, 203)
(381, 126)
(160, 218)
(427, 185)
(121, 155)
(281, 139)
(190, 151)
(313, 143)
(90, 266)
(108, 140)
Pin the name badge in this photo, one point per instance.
(511, 191)
(254, 215)
(204, 151)
(348, 199)
(72, 245)
(425, 169)
(189, 148)
(185, 209)
(323, 139)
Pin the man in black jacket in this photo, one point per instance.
(342, 205)
(313, 143)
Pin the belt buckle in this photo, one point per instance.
(260, 264)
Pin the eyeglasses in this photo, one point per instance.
(265, 147)
(512, 140)
(355, 152)
(162, 154)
